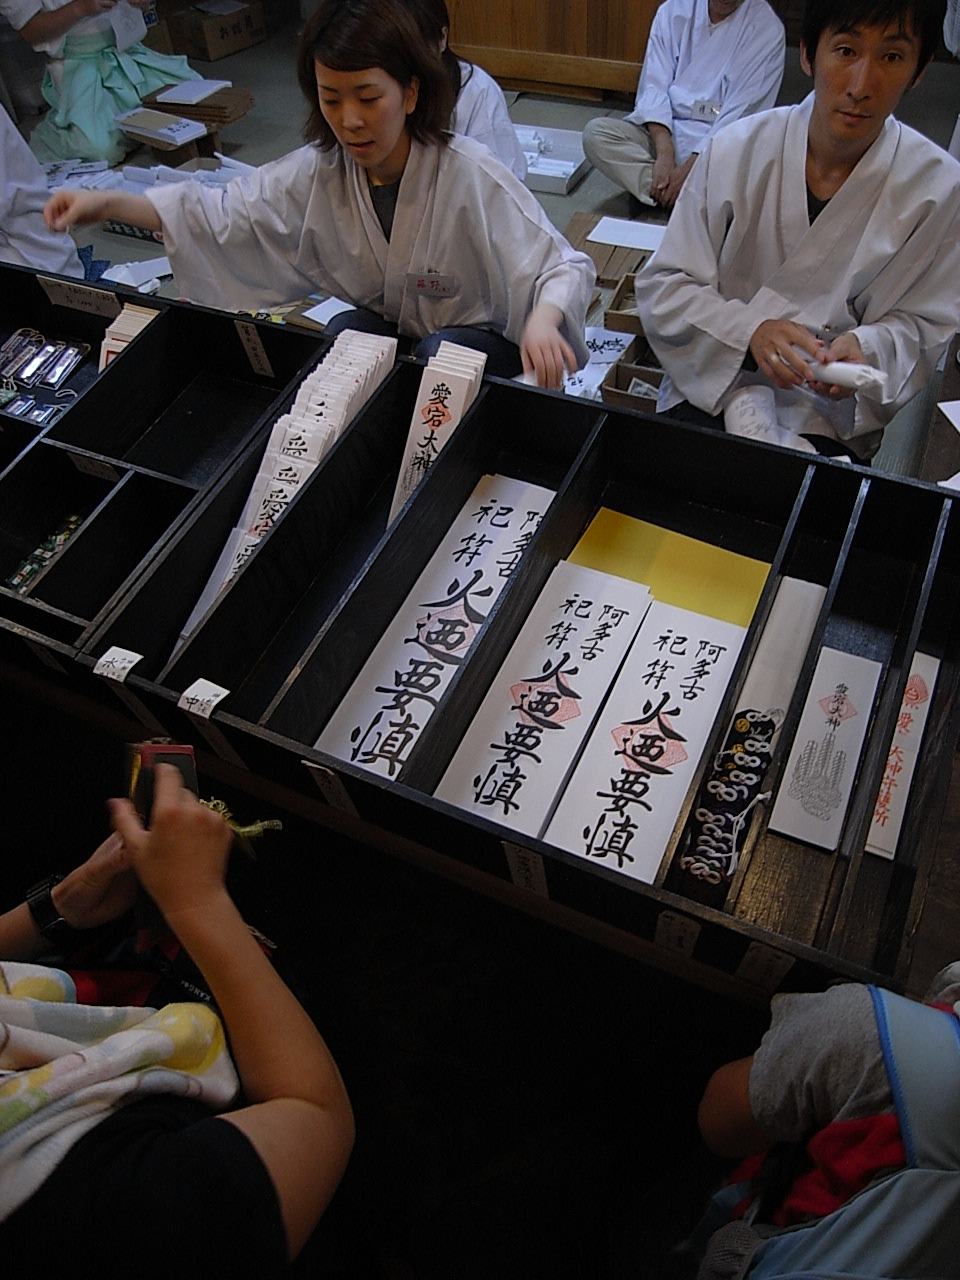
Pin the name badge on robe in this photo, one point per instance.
(432, 283)
(705, 112)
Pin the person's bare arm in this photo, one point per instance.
(543, 348)
(299, 1118)
(726, 1120)
(69, 208)
(101, 889)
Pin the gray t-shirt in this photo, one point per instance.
(819, 1062)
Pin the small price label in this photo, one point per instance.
(95, 467)
(764, 966)
(116, 663)
(331, 787)
(80, 297)
(676, 932)
(527, 870)
(201, 698)
(253, 346)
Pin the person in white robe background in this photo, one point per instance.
(25, 239)
(707, 63)
(88, 80)
(824, 232)
(481, 109)
(425, 234)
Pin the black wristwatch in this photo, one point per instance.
(46, 917)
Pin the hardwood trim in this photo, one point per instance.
(553, 68)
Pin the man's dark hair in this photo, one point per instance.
(354, 35)
(923, 17)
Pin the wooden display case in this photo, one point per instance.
(287, 637)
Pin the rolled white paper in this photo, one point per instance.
(844, 373)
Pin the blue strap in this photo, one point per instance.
(921, 1048)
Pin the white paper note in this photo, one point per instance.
(542, 703)
(621, 804)
(387, 706)
(815, 788)
(894, 791)
(128, 24)
(628, 234)
(192, 91)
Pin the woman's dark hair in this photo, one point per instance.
(923, 17)
(353, 35)
(433, 19)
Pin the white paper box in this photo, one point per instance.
(561, 165)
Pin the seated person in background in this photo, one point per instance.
(426, 234)
(108, 1124)
(25, 239)
(707, 63)
(850, 1112)
(88, 81)
(823, 232)
(481, 110)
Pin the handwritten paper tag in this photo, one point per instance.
(116, 663)
(526, 869)
(201, 698)
(80, 297)
(540, 707)
(815, 789)
(621, 804)
(253, 346)
(387, 707)
(894, 791)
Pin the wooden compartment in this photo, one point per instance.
(195, 395)
(290, 634)
(278, 602)
(59, 309)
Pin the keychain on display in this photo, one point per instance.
(21, 352)
(63, 364)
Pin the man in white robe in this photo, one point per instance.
(824, 232)
(25, 239)
(706, 64)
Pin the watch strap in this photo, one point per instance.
(39, 899)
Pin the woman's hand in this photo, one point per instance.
(181, 860)
(101, 889)
(543, 348)
(68, 208)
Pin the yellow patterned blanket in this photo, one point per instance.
(65, 1066)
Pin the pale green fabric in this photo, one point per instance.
(98, 83)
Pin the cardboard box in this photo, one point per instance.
(621, 314)
(211, 36)
(158, 37)
(560, 165)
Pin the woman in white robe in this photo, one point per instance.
(481, 109)
(882, 260)
(481, 114)
(468, 249)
